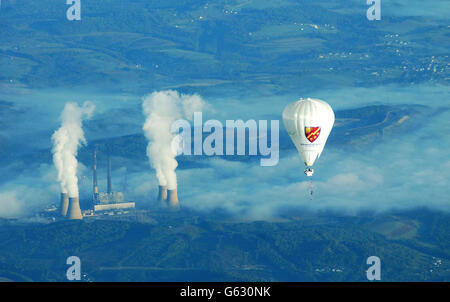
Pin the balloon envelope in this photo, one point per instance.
(308, 123)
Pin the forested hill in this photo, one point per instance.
(179, 247)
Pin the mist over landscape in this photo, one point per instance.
(369, 165)
(380, 186)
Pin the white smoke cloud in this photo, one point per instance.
(66, 141)
(161, 110)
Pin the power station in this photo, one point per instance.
(109, 200)
(70, 136)
(102, 202)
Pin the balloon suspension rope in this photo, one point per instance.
(311, 188)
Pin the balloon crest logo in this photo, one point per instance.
(312, 133)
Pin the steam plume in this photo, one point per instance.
(162, 109)
(66, 141)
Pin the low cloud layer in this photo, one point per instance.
(30, 192)
(400, 173)
(403, 171)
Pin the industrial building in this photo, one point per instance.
(109, 200)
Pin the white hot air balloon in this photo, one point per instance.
(308, 123)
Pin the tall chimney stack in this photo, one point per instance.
(64, 205)
(95, 175)
(109, 175)
(74, 208)
(172, 197)
(162, 196)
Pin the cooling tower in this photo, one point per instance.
(74, 208)
(162, 196)
(172, 198)
(64, 205)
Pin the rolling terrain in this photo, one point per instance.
(381, 185)
(216, 46)
(189, 247)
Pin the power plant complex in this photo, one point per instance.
(110, 201)
(70, 136)
(101, 201)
